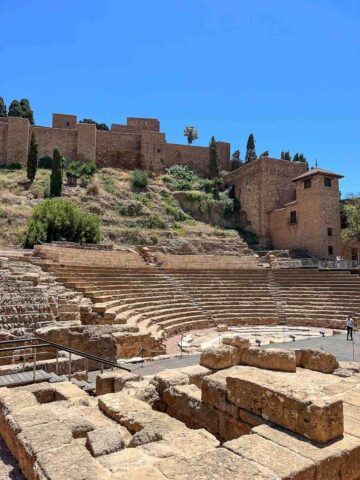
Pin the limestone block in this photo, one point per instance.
(31, 277)
(282, 401)
(221, 357)
(286, 464)
(107, 440)
(340, 459)
(121, 378)
(70, 462)
(230, 427)
(145, 391)
(169, 378)
(146, 473)
(222, 327)
(214, 465)
(126, 460)
(236, 341)
(68, 391)
(214, 392)
(315, 359)
(270, 359)
(196, 373)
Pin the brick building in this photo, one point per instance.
(290, 207)
(138, 144)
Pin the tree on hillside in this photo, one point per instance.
(299, 157)
(99, 126)
(56, 177)
(350, 215)
(3, 111)
(191, 134)
(32, 158)
(15, 109)
(264, 154)
(250, 149)
(235, 161)
(26, 110)
(213, 158)
(285, 155)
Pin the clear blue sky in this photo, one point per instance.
(286, 70)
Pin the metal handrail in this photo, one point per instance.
(57, 347)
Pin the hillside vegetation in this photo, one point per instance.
(129, 215)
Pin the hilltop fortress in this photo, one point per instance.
(283, 204)
(138, 144)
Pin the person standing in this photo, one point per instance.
(349, 327)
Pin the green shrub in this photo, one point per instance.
(13, 166)
(61, 219)
(139, 179)
(178, 214)
(56, 177)
(181, 172)
(45, 162)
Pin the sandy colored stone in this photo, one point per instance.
(319, 360)
(219, 464)
(143, 390)
(337, 460)
(217, 358)
(270, 359)
(214, 392)
(169, 378)
(107, 440)
(281, 399)
(68, 391)
(70, 462)
(122, 377)
(236, 341)
(287, 464)
(126, 460)
(146, 473)
(196, 373)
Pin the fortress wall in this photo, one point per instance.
(17, 140)
(3, 142)
(63, 139)
(144, 124)
(196, 158)
(116, 127)
(86, 142)
(118, 150)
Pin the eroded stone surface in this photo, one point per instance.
(217, 358)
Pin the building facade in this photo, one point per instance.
(290, 207)
(138, 144)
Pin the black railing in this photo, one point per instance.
(57, 347)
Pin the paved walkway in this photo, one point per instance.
(337, 344)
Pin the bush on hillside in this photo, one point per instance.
(60, 219)
(139, 179)
(13, 166)
(45, 162)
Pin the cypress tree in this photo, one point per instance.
(235, 160)
(285, 155)
(250, 149)
(26, 109)
(32, 158)
(56, 177)
(3, 112)
(213, 158)
(15, 109)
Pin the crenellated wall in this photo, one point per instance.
(139, 144)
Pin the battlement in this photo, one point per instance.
(138, 144)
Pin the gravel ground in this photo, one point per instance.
(9, 469)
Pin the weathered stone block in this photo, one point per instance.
(107, 440)
(214, 392)
(315, 359)
(221, 357)
(169, 378)
(236, 341)
(196, 373)
(286, 464)
(270, 359)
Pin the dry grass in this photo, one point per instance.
(128, 217)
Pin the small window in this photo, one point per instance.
(329, 232)
(307, 183)
(327, 182)
(158, 150)
(330, 250)
(293, 217)
(68, 124)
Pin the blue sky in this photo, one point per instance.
(286, 70)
